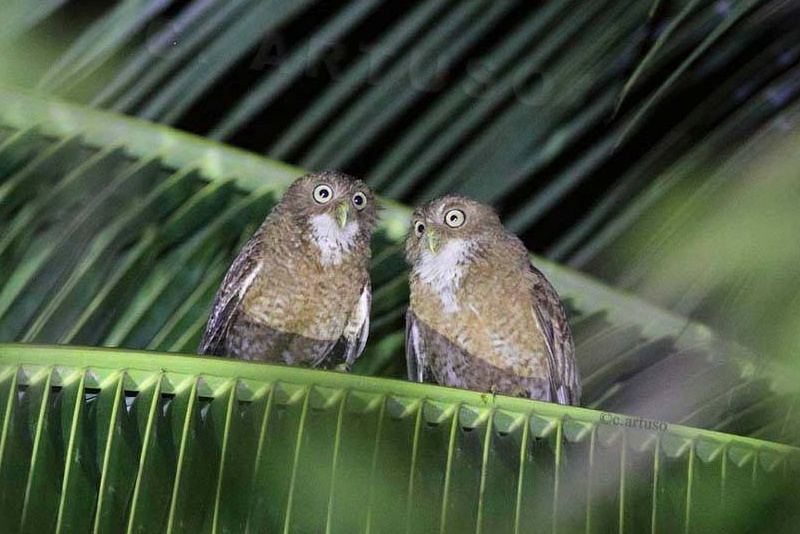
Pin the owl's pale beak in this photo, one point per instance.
(433, 241)
(342, 211)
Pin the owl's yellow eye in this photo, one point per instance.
(323, 194)
(419, 228)
(360, 201)
(454, 218)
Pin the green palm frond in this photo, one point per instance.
(196, 444)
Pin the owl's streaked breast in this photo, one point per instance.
(493, 321)
(442, 272)
(297, 291)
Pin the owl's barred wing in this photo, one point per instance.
(342, 353)
(549, 313)
(226, 303)
(357, 329)
(419, 369)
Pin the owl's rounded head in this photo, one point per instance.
(337, 210)
(346, 199)
(451, 225)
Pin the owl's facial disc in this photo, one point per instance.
(340, 216)
(435, 233)
(452, 230)
(336, 213)
(339, 201)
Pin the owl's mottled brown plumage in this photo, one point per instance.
(299, 291)
(481, 316)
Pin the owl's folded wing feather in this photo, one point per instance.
(549, 313)
(357, 329)
(419, 369)
(238, 279)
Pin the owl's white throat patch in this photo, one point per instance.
(332, 240)
(443, 271)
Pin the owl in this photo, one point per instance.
(481, 317)
(299, 291)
